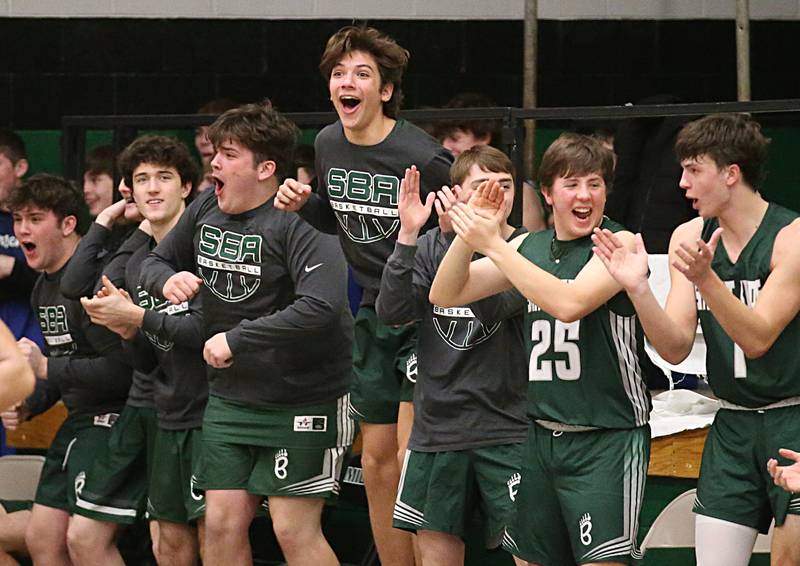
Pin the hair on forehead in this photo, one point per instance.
(267, 133)
(51, 193)
(576, 155)
(390, 58)
(486, 157)
(726, 139)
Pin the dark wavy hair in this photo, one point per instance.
(159, 150)
(391, 59)
(261, 129)
(727, 139)
(50, 192)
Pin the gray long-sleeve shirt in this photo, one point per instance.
(85, 361)
(97, 255)
(359, 188)
(174, 336)
(277, 289)
(472, 377)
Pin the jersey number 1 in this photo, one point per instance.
(563, 337)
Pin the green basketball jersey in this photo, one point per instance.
(734, 378)
(584, 372)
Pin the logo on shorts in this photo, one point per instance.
(411, 368)
(80, 481)
(196, 495)
(310, 424)
(513, 486)
(585, 524)
(281, 463)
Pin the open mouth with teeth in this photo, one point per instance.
(218, 184)
(582, 213)
(349, 103)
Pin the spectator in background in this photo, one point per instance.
(646, 196)
(201, 142)
(98, 179)
(16, 278)
(460, 135)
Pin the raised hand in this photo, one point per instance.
(787, 477)
(479, 228)
(412, 211)
(111, 214)
(292, 195)
(112, 307)
(445, 199)
(181, 287)
(696, 259)
(488, 196)
(628, 268)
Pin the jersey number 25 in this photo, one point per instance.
(562, 337)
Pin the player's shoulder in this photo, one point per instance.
(413, 136)
(786, 239)
(691, 229)
(331, 132)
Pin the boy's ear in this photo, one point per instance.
(20, 168)
(266, 169)
(386, 92)
(733, 174)
(546, 193)
(69, 225)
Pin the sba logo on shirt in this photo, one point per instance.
(365, 205)
(229, 263)
(55, 328)
(460, 328)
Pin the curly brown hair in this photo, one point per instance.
(49, 192)
(159, 150)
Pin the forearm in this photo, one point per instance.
(109, 373)
(287, 327)
(393, 305)
(558, 298)
(81, 274)
(19, 282)
(45, 395)
(155, 272)
(184, 329)
(451, 286)
(750, 331)
(319, 214)
(667, 336)
(115, 268)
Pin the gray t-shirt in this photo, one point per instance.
(472, 377)
(358, 192)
